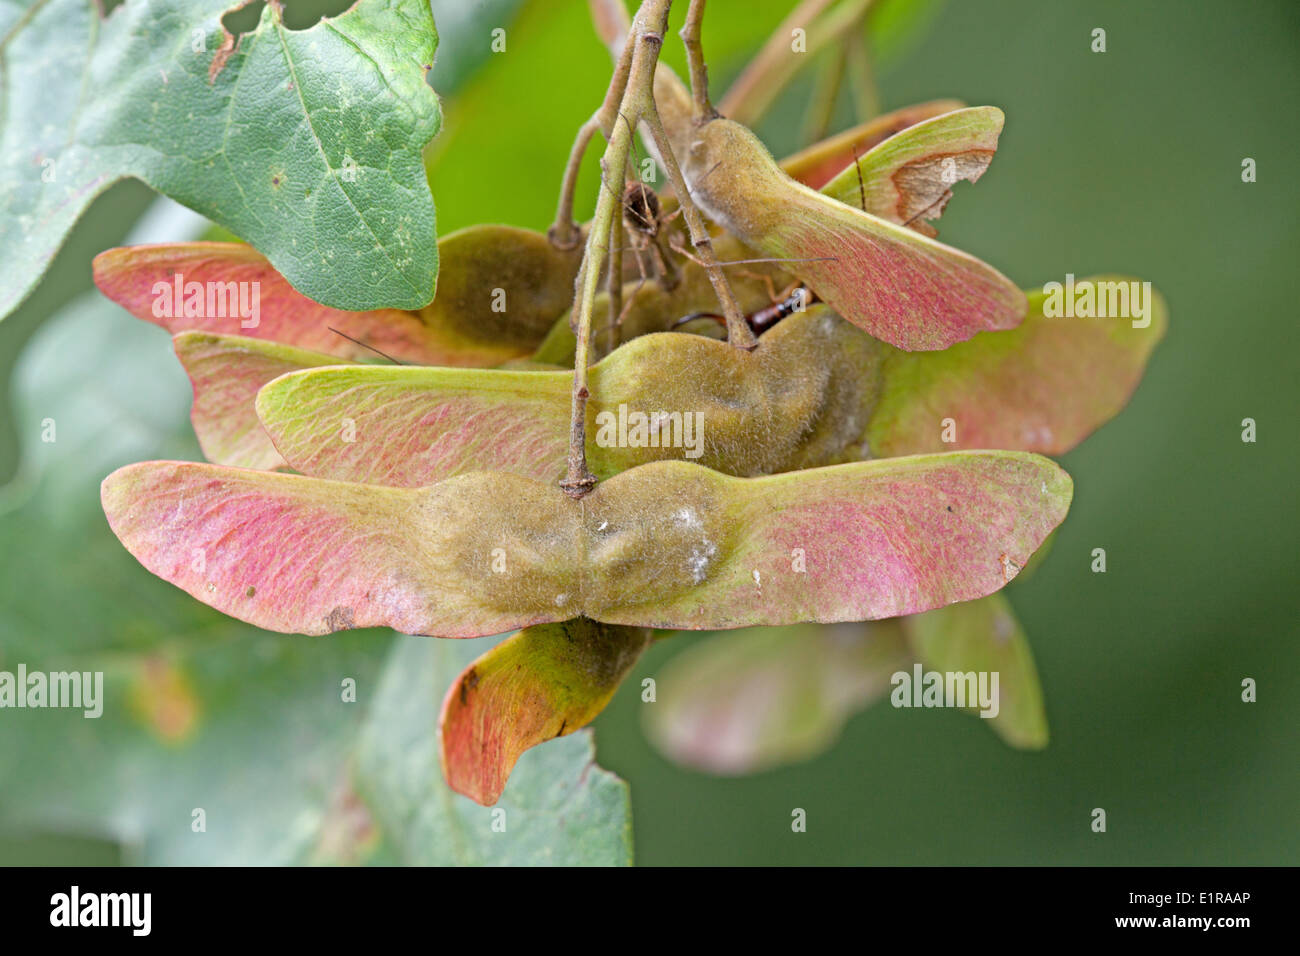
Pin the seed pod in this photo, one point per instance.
(802, 398)
(541, 683)
(908, 178)
(650, 306)
(823, 161)
(1042, 387)
(499, 291)
(901, 287)
(665, 545)
(227, 371)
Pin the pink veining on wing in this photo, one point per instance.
(865, 543)
(134, 276)
(409, 436)
(912, 292)
(262, 550)
(226, 373)
(1042, 387)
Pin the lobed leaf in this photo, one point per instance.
(307, 143)
(902, 287)
(1042, 387)
(667, 545)
(800, 399)
(541, 683)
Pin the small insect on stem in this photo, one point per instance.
(641, 209)
(766, 317)
(644, 221)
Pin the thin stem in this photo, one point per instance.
(690, 34)
(774, 50)
(777, 63)
(609, 17)
(738, 331)
(645, 42)
(564, 232)
(614, 280)
(821, 107)
(866, 97)
(609, 109)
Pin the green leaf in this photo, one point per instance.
(306, 143)
(744, 701)
(465, 37)
(895, 27)
(985, 637)
(558, 809)
(203, 712)
(508, 134)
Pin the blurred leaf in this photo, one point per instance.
(507, 135)
(465, 37)
(742, 701)
(202, 712)
(985, 637)
(896, 27)
(559, 807)
(307, 143)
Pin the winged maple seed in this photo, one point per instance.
(822, 487)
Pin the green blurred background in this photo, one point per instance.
(1125, 161)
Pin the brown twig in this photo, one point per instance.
(776, 64)
(690, 34)
(636, 100)
(825, 95)
(564, 232)
(614, 280)
(738, 331)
